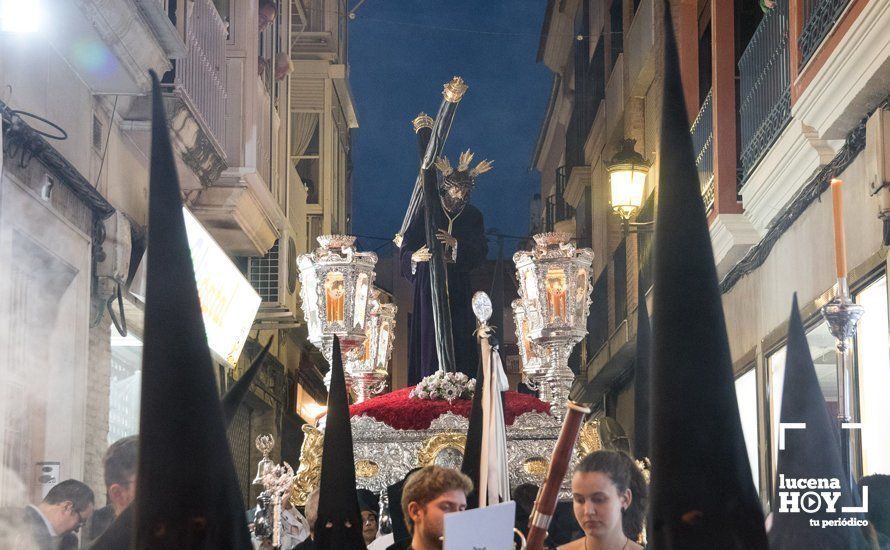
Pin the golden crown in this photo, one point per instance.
(463, 165)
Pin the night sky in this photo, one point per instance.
(400, 55)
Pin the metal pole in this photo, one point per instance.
(842, 316)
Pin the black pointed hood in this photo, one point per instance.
(813, 452)
(233, 398)
(472, 460)
(187, 490)
(642, 378)
(339, 524)
(702, 493)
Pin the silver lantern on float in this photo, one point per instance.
(554, 286)
(534, 368)
(368, 365)
(336, 283)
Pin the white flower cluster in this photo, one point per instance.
(446, 386)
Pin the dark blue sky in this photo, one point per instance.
(401, 53)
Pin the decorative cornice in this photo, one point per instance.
(853, 145)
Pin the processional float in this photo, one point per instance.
(405, 429)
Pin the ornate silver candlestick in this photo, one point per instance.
(534, 368)
(276, 480)
(367, 365)
(264, 444)
(335, 291)
(554, 284)
(842, 316)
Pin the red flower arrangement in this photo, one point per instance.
(396, 410)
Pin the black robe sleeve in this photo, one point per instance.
(472, 246)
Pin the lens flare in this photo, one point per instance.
(93, 56)
(18, 16)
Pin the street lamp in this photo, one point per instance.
(20, 16)
(627, 182)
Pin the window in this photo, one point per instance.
(616, 30)
(313, 230)
(746, 395)
(704, 63)
(304, 152)
(126, 384)
(822, 349)
(873, 370)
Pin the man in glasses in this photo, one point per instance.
(52, 524)
(120, 464)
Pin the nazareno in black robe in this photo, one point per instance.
(472, 248)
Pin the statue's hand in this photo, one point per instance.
(446, 239)
(421, 255)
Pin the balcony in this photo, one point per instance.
(557, 212)
(639, 48)
(819, 17)
(764, 88)
(318, 30)
(703, 143)
(194, 96)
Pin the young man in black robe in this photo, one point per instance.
(462, 234)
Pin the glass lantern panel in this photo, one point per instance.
(382, 346)
(581, 293)
(310, 301)
(361, 299)
(627, 187)
(335, 297)
(530, 353)
(556, 294)
(530, 282)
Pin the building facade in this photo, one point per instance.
(779, 102)
(257, 174)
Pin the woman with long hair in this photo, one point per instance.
(609, 495)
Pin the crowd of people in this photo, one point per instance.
(607, 510)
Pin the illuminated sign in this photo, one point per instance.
(228, 301)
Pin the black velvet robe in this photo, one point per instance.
(472, 248)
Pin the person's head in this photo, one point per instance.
(121, 463)
(268, 11)
(283, 67)
(524, 495)
(367, 503)
(429, 494)
(67, 506)
(457, 184)
(878, 502)
(609, 495)
(311, 510)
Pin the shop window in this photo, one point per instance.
(873, 371)
(126, 384)
(822, 349)
(746, 395)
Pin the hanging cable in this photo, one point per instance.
(107, 136)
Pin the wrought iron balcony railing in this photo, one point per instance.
(198, 78)
(703, 142)
(764, 88)
(556, 209)
(819, 17)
